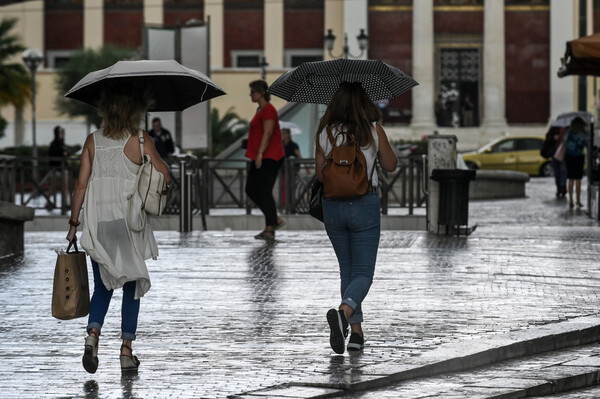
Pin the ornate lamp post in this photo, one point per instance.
(33, 59)
(363, 44)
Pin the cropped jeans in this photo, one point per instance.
(130, 307)
(354, 227)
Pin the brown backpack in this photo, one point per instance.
(345, 170)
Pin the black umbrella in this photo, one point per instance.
(173, 86)
(316, 82)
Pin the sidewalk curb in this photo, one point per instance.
(452, 357)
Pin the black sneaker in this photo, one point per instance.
(356, 342)
(339, 330)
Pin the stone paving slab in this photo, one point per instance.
(227, 314)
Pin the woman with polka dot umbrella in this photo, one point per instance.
(316, 82)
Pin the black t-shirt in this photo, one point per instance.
(163, 143)
(290, 149)
(57, 149)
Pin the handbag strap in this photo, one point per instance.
(135, 188)
(73, 243)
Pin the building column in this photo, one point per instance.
(423, 66)
(93, 23)
(356, 17)
(494, 70)
(153, 13)
(562, 28)
(213, 10)
(334, 20)
(273, 33)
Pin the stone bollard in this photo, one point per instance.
(12, 221)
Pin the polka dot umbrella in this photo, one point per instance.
(316, 82)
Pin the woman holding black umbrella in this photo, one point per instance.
(353, 225)
(265, 149)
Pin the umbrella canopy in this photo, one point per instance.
(316, 82)
(564, 119)
(582, 57)
(294, 128)
(173, 86)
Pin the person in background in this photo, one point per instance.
(555, 136)
(265, 149)
(290, 147)
(110, 160)
(162, 139)
(574, 158)
(353, 225)
(58, 148)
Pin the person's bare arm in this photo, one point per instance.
(268, 129)
(85, 169)
(387, 158)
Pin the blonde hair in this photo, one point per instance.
(122, 108)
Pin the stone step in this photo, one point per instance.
(458, 357)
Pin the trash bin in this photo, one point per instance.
(453, 210)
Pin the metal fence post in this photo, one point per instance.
(185, 211)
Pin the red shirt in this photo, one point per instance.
(275, 149)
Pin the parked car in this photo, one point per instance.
(521, 154)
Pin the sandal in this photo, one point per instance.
(279, 225)
(128, 363)
(90, 354)
(265, 235)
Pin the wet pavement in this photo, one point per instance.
(228, 314)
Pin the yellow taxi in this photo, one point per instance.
(521, 154)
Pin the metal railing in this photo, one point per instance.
(203, 185)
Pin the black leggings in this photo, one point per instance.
(259, 187)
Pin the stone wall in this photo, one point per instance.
(12, 219)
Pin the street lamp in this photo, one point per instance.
(362, 38)
(33, 58)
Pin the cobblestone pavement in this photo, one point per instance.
(228, 314)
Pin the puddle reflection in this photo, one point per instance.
(264, 280)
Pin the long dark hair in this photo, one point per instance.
(351, 108)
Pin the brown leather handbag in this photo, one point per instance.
(71, 291)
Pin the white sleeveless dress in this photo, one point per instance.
(120, 252)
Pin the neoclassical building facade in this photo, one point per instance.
(485, 67)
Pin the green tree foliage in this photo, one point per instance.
(15, 82)
(226, 130)
(80, 64)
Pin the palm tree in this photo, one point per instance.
(15, 82)
(226, 130)
(80, 64)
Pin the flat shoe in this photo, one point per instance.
(339, 330)
(279, 225)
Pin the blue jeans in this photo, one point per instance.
(353, 227)
(560, 175)
(130, 307)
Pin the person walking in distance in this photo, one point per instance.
(110, 160)
(574, 158)
(353, 225)
(265, 149)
